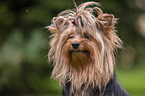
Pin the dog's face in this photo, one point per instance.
(78, 49)
(82, 46)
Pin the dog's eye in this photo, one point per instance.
(71, 36)
(87, 36)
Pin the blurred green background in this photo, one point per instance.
(24, 67)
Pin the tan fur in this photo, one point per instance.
(93, 64)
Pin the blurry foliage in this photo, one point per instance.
(24, 68)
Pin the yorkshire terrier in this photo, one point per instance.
(83, 44)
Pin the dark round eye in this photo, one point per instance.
(86, 36)
(71, 36)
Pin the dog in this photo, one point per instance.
(82, 47)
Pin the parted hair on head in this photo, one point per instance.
(82, 47)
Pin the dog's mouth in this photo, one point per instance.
(81, 52)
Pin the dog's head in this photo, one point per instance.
(82, 46)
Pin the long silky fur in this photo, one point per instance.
(89, 20)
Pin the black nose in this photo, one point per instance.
(75, 45)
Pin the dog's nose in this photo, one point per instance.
(75, 45)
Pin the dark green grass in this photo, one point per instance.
(133, 81)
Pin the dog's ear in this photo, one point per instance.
(61, 24)
(106, 23)
(58, 24)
